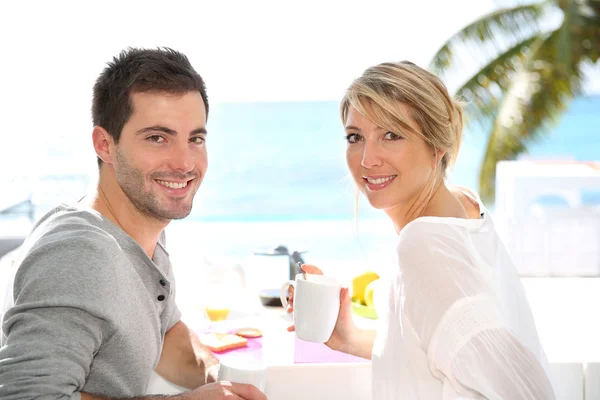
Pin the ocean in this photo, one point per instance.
(277, 175)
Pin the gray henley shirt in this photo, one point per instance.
(85, 309)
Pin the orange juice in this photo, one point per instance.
(217, 314)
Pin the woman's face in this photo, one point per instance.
(390, 168)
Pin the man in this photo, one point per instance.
(90, 311)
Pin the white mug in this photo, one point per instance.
(244, 370)
(316, 306)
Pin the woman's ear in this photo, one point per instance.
(437, 157)
(102, 144)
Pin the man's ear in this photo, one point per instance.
(103, 144)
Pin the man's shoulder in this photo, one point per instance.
(70, 224)
(67, 249)
(69, 236)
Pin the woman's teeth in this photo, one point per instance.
(379, 181)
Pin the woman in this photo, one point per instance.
(456, 323)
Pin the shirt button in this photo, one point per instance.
(162, 282)
(160, 298)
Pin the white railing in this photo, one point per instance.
(549, 240)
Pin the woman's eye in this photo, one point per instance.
(353, 138)
(156, 139)
(392, 136)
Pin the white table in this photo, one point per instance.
(285, 379)
(565, 314)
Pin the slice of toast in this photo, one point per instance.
(250, 333)
(219, 342)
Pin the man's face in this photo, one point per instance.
(161, 155)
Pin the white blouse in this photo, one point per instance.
(456, 323)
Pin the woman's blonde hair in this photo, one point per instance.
(378, 93)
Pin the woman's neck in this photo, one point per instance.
(441, 203)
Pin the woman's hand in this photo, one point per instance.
(344, 331)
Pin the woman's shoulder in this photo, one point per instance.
(426, 234)
(426, 242)
(429, 228)
(469, 200)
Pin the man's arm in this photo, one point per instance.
(184, 361)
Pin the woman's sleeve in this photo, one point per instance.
(459, 323)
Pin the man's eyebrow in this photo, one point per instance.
(157, 128)
(198, 130)
(169, 131)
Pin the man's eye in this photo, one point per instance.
(392, 136)
(156, 139)
(353, 138)
(197, 140)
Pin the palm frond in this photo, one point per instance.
(570, 24)
(586, 29)
(516, 23)
(538, 94)
(483, 91)
(590, 9)
(590, 42)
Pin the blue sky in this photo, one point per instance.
(245, 50)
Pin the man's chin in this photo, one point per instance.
(181, 216)
(171, 215)
(167, 215)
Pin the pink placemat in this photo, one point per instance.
(253, 349)
(304, 352)
(309, 352)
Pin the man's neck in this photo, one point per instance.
(110, 201)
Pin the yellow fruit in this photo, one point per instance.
(359, 284)
(369, 291)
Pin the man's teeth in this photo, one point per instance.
(173, 185)
(379, 181)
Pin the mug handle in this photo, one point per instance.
(284, 291)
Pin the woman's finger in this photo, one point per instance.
(311, 269)
(290, 305)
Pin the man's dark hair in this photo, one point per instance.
(140, 70)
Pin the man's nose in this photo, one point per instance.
(181, 158)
